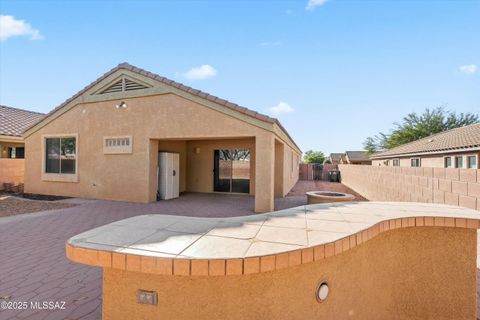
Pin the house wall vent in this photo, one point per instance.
(123, 85)
(116, 87)
(117, 145)
(132, 85)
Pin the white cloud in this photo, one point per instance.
(199, 73)
(469, 68)
(312, 4)
(281, 107)
(11, 27)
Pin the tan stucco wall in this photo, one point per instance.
(291, 163)
(460, 187)
(11, 171)
(132, 177)
(410, 273)
(279, 169)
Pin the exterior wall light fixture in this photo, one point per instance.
(322, 291)
(122, 104)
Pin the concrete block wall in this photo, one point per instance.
(11, 171)
(460, 187)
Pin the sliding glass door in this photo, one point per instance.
(231, 170)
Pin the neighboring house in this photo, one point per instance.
(335, 158)
(12, 123)
(12, 151)
(104, 143)
(355, 157)
(455, 148)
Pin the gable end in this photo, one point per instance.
(122, 85)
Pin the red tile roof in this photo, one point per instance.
(14, 121)
(201, 94)
(459, 138)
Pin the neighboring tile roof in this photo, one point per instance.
(336, 156)
(458, 138)
(179, 86)
(357, 155)
(14, 121)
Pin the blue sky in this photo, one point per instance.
(333, 72)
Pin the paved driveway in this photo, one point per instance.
(33, 266)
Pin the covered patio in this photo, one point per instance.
(233, 167)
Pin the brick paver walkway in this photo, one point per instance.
(33, 266)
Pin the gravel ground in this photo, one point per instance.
(10, 206)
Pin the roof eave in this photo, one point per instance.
(420, 153)
(9, 138)
(125, 66)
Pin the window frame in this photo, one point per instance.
(419, 162)
(455, 162)
(445, 162)
(467, 162)
(58, 177)
(396, 160)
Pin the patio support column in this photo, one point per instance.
(152, 170)
(264, 172)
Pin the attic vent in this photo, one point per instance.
(116, 87)
(124, 84)
(132, 85)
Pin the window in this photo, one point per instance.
(415, 162)
(60, 155)
(117, 145)
(459, 162)
(16, 152)
(396, 162)
(447, 162)
(472, 162)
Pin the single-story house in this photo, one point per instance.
(455, 148)
(13, 122)
(12, 150)
(104, 143)
(355, 157)
(335, 158)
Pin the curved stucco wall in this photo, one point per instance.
(408, 273)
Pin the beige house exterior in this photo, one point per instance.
(111, 132)
(335, 158)
(13, 121)
(455, 148)
(12, 148)
(355, 157)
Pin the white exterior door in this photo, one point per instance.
(168, 175)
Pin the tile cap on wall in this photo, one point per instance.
(190, 246)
